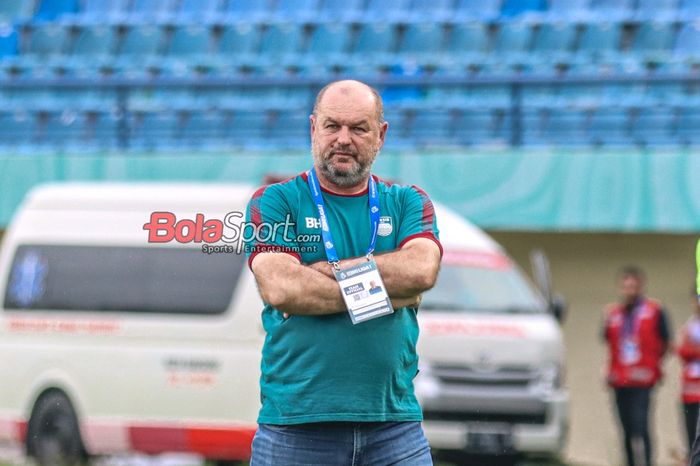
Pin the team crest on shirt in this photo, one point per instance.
(386, 226)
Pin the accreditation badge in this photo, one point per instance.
(630, 353)
(694, 370)
(363, 292)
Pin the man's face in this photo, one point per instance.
(630, 288)
(346, 136)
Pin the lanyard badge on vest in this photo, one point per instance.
(630, 352)
(361, 285)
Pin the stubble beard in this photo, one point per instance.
(344, 178)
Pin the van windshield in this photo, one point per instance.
(482, 290)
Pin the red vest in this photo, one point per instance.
(635, 352)
(689, 351)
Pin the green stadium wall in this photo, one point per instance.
(619, 191)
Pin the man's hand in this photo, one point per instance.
(407, 302)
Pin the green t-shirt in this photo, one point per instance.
(318, 369)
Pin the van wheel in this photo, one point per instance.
(53, 433)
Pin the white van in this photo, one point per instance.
(112, 344)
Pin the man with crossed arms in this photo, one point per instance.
(337, 385)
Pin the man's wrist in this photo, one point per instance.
(323, 267)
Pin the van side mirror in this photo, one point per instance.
(543, 278)
(558, 307)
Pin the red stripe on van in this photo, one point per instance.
(221, 443)
(21, 431)
(154, 440)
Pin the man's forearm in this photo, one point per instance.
(298, 290)
(406, 273)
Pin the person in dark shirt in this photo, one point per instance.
(637, 333)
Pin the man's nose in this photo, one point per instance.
(344, 136)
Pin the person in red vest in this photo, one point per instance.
(637, 334)
(689, 351)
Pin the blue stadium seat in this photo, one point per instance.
(654, 126)
(289, 128)
(49, 10)
(64, 130)
(568, 9)
(190, 10)
(340, 10)
(394, 10)
(654, 40)
(665, 94)
(565, 127)
(17, 128)
(149, 10)
(248, 128)
(432, 126)
(103, 130)
(329, 42)
(688, 126)
(14, 10)
(511, 8)
(9, 44)
(688, 41)
(475, 127)
(153, 130)
(94, 42)
(140, 43)
(477, 9)
(398, 137)
(296, 9)
(436, 10)
(202, 130)
(99, 10)
(189, 41)
(46, 39)
(503, 127)
(610, 126)
(422, 39)
(600, 40)
(493, 96)
(239, 42)
(554, 37)
(375, 42)
(689, 9)
(532, 127)
(281, 41)
(468, 41)
(513, 39)
(401, 95)
(247, 10)
(657, 9)
(615, 10)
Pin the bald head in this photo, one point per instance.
(351, 89)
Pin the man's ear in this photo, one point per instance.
(312, 125)
(383, 128)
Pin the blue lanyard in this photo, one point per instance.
(631, 322)
(331, 253)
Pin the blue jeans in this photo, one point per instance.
(341, 444)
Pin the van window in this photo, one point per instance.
(482, 289)
(129, 279)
